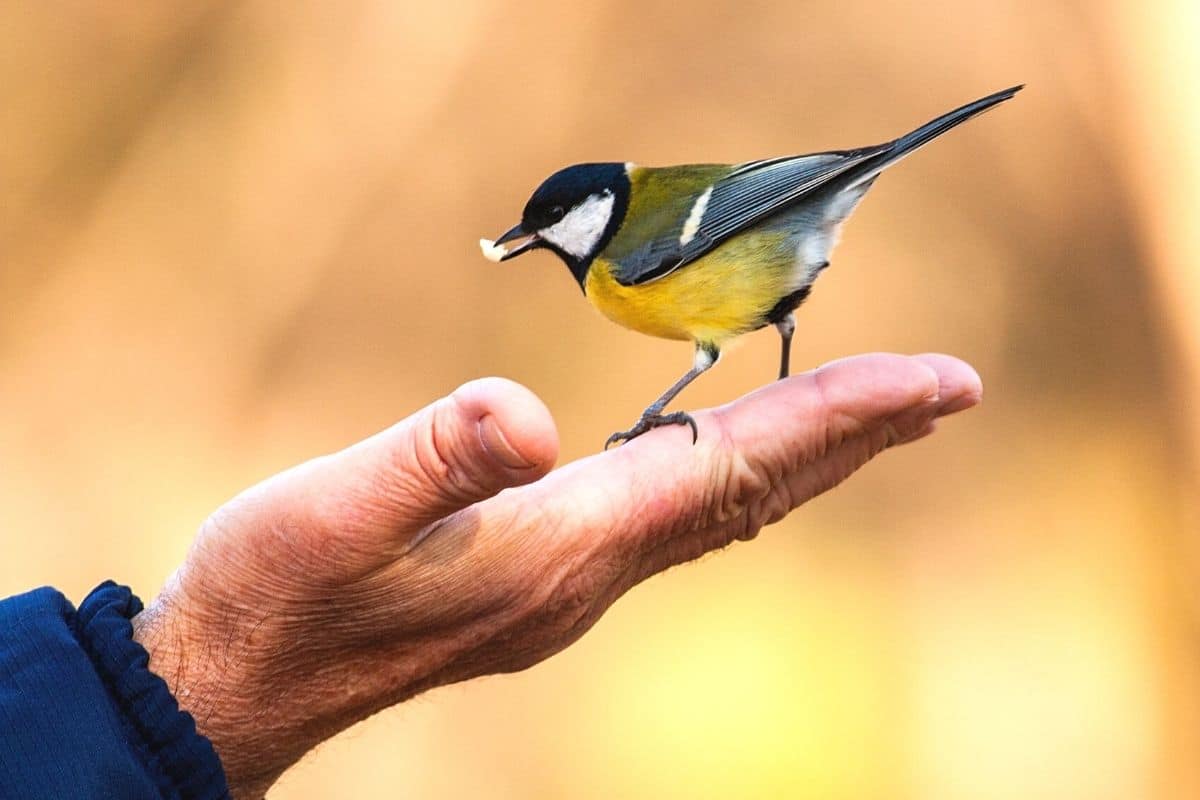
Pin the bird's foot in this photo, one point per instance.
(649, 422)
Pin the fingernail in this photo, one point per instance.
(498, 446)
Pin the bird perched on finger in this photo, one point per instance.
(706, 252)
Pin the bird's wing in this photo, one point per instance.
(746, 196)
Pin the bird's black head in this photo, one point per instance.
(575, 213)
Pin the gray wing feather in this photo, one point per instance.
(749, 194)
(753, 191)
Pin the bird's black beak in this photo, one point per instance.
(514, 233)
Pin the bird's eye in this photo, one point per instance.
(557, 213)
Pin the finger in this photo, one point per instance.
(762, 455)
(799, 418)
(847, 396)
(959, 385)
(486, 436)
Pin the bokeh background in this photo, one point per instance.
(238, 234)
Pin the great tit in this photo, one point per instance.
(706, 252)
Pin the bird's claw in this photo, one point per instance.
(649, 422)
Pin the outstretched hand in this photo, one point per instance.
(359, 579)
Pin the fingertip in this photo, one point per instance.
(513, 424)
(959, 385)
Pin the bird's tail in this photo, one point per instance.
(928, 132)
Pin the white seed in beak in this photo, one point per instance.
(492, 251)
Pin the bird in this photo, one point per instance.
(706, 252)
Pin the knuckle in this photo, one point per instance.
(776, 505)
(434, 456)
(573, 599)
(433, 466)
(738, 482)
(570, 605)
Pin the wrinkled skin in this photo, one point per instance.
(359, 579)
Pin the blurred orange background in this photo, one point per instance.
(237, 235)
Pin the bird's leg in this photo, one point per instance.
(786, 327)
(652, 417)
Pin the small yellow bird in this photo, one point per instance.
(706, 252)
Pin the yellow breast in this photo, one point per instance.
(724, 294)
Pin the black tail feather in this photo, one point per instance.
(930, 131)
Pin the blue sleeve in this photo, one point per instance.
(81, 714)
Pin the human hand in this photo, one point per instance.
(359, 579)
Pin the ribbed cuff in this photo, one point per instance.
(183, 761)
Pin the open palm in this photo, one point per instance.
(407, 561)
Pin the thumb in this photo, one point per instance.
(486, 436)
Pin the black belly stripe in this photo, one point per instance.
(787, 305)
(791, 302)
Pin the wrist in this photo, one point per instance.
(264, 694)
(160, 734)
(203, 670)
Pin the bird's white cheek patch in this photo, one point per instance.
(580, 230)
